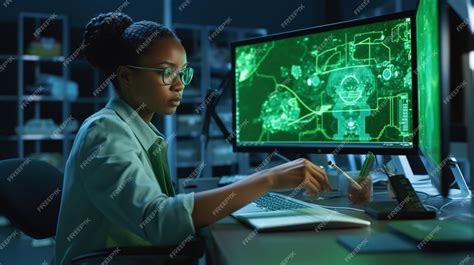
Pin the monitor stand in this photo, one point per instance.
(463, 192)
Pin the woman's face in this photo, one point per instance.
(146, 89)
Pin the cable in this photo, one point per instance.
(451, 201)
(432, 207)
(430, 197)
(446, 204)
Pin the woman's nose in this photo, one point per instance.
(178, 85)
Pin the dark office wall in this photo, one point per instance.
(244, 13)
(367, 8)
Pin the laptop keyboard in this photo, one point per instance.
(271, 202)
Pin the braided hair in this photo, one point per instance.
(113, 39)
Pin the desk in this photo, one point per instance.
(230, 242)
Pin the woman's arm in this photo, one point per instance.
(212, 205)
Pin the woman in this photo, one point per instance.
(117, 190)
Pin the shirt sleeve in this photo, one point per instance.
(117, 184)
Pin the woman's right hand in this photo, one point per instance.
(298, 173)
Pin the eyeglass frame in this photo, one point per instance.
(161, 70)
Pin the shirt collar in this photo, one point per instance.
(146, 133)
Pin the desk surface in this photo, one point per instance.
(230, 242)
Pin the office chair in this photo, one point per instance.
(25, 185)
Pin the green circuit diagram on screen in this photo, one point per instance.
(352, 84)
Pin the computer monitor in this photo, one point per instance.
(434, 93)
(348, 87)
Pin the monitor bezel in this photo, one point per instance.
(337, 146)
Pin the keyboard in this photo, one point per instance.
(272, 202)
(277, 212)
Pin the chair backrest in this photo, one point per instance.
(30, 195)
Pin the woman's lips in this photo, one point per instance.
(175, 101)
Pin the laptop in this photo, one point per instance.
(277, 212)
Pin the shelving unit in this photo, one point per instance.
(36, 59)
(39, 102)
(208, 74)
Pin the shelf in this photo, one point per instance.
(190, 164)
(90, 100)
(56, 99)
(41, 15)
(36, 137)
(38, 58)
(34, 58)
(41, 98)
(260, 31)
(46, 137)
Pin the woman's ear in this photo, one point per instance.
(125, 77)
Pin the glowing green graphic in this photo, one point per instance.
(351, 85)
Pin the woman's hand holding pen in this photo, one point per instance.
(291, 175)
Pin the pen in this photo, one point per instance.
(333, 165)
(368, 163)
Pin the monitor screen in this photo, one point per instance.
(347, 86)
(432, 90)
(428, 80)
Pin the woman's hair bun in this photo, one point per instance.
(103, 39)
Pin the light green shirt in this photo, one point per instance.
(117, 189)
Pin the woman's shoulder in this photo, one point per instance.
(104, 127)
(105, 121)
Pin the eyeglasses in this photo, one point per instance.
(170, 75)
